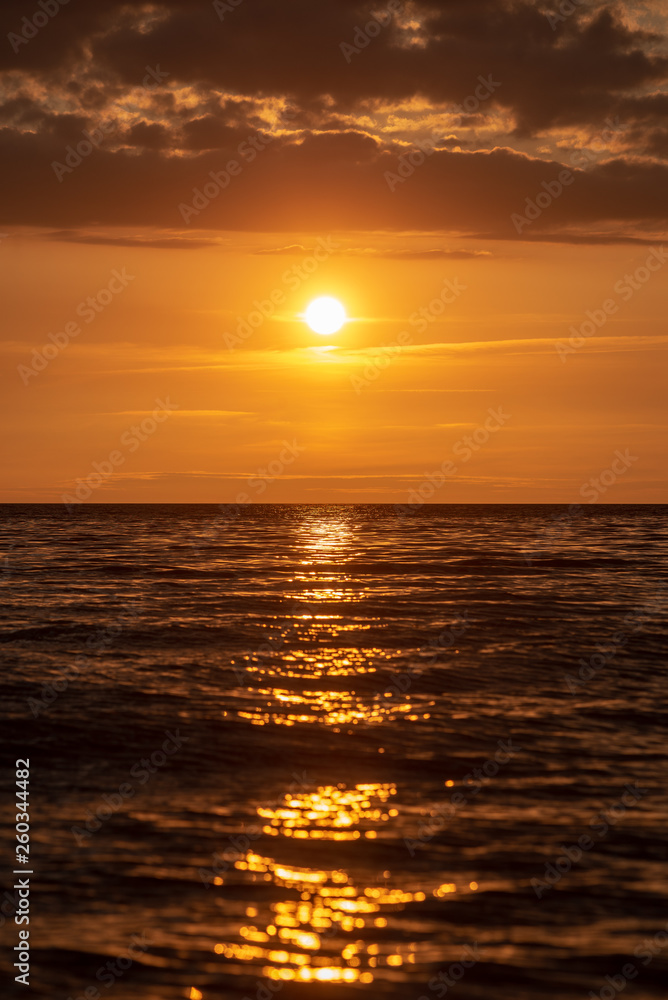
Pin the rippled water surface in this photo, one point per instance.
(330, 752)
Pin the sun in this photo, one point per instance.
(325, 315)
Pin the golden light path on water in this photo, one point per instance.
(332, 926)
(329, 540)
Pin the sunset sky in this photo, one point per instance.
(474, 180)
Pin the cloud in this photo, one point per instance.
(292, 186)
(370, 253)
(184, 93)
(436, 254)
(581, 239)
(156, 243)
(537, 345)
(292, 250)
(550, 73)
(507, 348)
(180, 413)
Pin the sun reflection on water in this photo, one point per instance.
(274, 703)
(325, 537)
(289, 915)
(331, 813)
(335, 709)
(331, 928)
(290, 921)
(299, 663)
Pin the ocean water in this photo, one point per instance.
(328, 751)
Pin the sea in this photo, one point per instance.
(334, 751)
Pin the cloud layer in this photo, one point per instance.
(454, 116)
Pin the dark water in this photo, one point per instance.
(387, 736)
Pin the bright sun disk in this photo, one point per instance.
(325, 315)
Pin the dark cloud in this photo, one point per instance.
(148, 135)
(315, 186)
(547, 75)
(656, 143)
(210, 132)
(652, 142)
(326, 167)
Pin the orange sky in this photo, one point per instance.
(456, 311)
